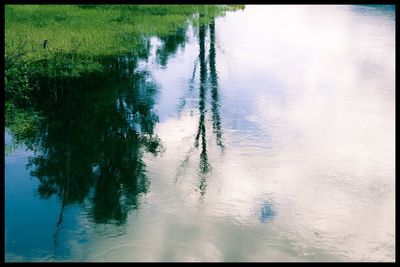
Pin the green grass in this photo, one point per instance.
(95, 29)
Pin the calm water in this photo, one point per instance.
(267, 135)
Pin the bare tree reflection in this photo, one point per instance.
(201, 132)
(216, 118)
(205, 82)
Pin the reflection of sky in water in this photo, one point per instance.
(306, 97)
(267, 212)
(23, 235)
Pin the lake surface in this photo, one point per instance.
(268, 135)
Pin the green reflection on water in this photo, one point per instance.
(92, 137)
(92, 133)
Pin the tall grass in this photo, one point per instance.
(95, 29)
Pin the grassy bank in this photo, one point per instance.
(95, 29)
(76, 36)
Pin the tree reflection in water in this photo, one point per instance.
(205, 83)
(94, 130)
(93, 134)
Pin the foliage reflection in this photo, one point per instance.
(93, 130)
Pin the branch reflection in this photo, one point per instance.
(206, 83)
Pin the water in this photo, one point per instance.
(267, 135)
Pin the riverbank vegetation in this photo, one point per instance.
(96, 29)
(74, 35)
(71, 41)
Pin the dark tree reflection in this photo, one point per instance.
(216, 118)
(201, 132)
(171, 43)
(207, 83)
(93, 135)
(94, 131)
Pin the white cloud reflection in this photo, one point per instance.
(307, 105)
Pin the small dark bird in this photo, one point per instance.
(45, 43)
